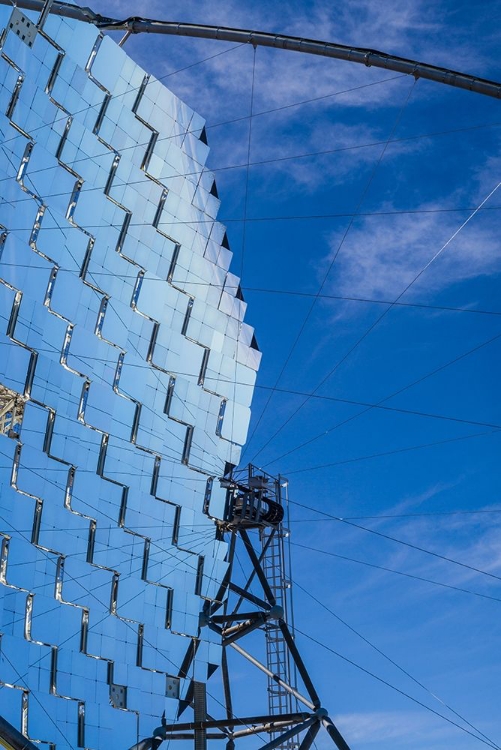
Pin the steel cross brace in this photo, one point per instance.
(320, 713)
(254, 725)
(234, 721)
(251, 621)
(231, 627)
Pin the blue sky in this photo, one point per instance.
(358, 179)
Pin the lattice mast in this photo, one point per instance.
(276, 567)
(252, 517)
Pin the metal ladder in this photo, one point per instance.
(274, 566)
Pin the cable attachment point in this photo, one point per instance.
(276, 612)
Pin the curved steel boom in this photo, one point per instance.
(364, 56)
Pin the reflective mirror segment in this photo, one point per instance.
(126, 376)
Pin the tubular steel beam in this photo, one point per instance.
(226, 685)
(333, 732)
(14, 739)
(247, 595)
(309, 737)
(276, 726)
(62, 9)
(233, 721)
(361, 55)
(200, 714)
(282, 739)
(188, 736)
(293, 649)
(235, 617)
(240, 630)
(277, 679)
(150, 743)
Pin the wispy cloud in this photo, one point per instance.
(383, 254)
(408, 728)
(220, 87)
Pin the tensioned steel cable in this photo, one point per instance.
(369, 300)
(105, 605)
(390, 538)
(397, 410)
(381, 517)
(224, 122)
(125, 93)
(402, 573)
(391, 661)
(342, 462)
(244, 239)
(125, 529)
(331, 264)
(394, 451)
(284, 292)
(425, 514)
(34, 695)
(383, 314)
(398, 690)
(247, 170)
(181, 481)
(151, 369)
(391, 395)
(229, 122)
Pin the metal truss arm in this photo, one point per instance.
(361, 55)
